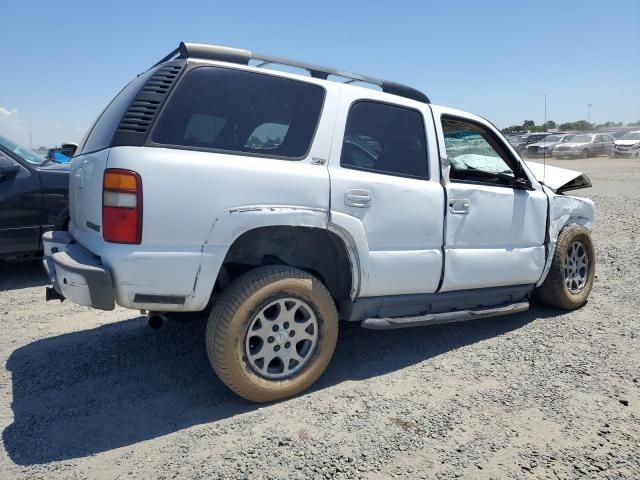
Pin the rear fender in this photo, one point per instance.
(230, 224)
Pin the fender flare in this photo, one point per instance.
(232, 223)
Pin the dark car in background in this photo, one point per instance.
(520, 145)
(34, 195)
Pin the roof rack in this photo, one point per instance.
(241, 56)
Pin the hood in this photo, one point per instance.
(559, 179)
(627, 143)
(55, 167)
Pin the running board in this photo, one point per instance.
(445, 317)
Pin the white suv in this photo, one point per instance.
(283, 202)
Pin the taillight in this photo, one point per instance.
(121, 206)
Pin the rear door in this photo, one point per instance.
(385, 191)
(495, 232)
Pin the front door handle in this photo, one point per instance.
(459, 206)
(357, 198)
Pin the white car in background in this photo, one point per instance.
(281, 203)
(628, 145)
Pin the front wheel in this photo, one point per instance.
(272, 333)
(572, 272)
(585, 153)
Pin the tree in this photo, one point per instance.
(549, 125)
(580, 125)
(610, 124)
(528, 125)
(513, 129)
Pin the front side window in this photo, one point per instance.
(237, 111)
(475, 155)
(582, 139)
(386, 139)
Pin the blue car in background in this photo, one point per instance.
(63, 153)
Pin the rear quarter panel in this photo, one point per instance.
(196, 203)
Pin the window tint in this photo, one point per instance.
(385, 139)
(239, 111)
(102, 131)
(475, 155)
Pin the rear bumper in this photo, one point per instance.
(76, 273)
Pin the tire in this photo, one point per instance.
(585, 153)
(260, 296)
(554, 291)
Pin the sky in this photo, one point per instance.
(63, 61)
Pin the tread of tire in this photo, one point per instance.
(547, 293)
(231, 299)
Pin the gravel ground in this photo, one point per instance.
(544, 394)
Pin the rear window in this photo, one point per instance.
(236, 111)
(102, 131)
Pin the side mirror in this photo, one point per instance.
(522, 183)
(69, 149)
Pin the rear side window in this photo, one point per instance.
(385, 138)
(102, 131)
(237, 111)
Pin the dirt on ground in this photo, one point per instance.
(542, 394)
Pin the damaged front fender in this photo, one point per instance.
(565, 210)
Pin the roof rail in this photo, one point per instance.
(241, 56)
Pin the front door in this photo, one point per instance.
(382, 193)
(496, 223)
(20, 207)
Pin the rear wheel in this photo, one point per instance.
(570, 278)
(272, 333)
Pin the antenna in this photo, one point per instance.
(544, 153)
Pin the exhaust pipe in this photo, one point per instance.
(155, 320)
(52, 294)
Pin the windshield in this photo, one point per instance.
(630, 136)
(516, 139)
(23, 152)
(552, 139)
(581, 139)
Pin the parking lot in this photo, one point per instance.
(543, 394)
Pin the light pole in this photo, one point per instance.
(588, 113)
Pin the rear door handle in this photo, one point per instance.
(357, 198)
(459, 206)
